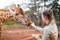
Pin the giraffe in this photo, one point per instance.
(13, 12)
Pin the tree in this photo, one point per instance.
(34, 10)
(56, 9)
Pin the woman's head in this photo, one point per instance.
(47, 16)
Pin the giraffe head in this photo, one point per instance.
(19, 14)
(17, 9)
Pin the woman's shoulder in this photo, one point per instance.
(50, 27)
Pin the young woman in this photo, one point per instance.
(50, 31)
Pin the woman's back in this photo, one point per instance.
(50, 32)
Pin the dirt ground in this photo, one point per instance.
(12, 33)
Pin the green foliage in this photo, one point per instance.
(58, 24)
(10, 22)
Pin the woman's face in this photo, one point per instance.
(45, 20)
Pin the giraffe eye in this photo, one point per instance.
(16, 14)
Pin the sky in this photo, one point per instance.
(4, 3)
(8, 2)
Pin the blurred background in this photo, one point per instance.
(33, 9)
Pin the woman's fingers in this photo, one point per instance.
(36, 36)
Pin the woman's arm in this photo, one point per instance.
(29, 22)
(37, 27)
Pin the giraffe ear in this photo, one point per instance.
(12, 9)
